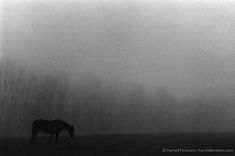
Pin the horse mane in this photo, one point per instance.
(58, 120)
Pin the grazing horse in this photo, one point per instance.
(51, 127)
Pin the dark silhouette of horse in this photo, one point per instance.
(52, 127)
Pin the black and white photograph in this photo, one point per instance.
(117, 77)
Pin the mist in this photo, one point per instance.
(120, 67)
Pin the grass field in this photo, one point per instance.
(124, 145)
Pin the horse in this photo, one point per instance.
(52, 127)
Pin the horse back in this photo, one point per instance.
(44, 125)
(49, 126)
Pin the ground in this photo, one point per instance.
(124, 145)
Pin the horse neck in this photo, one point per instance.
(67, 127)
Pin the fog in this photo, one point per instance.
(168, 64)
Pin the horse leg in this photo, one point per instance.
(57, 135)
(32, 139)
(34, 135)
(50, 138)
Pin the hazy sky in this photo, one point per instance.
(184, 45)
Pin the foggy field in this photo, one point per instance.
(164, 69)
(120, 145)
(118, 67)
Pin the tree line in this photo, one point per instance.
(98, 106)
